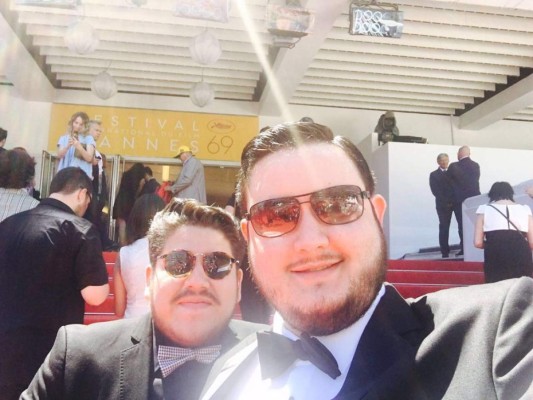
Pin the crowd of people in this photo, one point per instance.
(310, 238)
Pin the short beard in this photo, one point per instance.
(326, 319)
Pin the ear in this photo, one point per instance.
(244, 229)
(148, 275)
(80, 196)
(240, 275)
(380, 205)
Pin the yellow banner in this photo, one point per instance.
(148, 133)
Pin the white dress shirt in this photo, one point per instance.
(304, 381)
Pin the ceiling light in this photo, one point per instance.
(205, 48)
(104, 85)
(202, 94)
(81, 38)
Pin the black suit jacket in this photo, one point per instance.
(441, 187)
(110, 360)
(469, 343)
(150, 187)
(464, 175)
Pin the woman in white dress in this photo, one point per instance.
(130, 267)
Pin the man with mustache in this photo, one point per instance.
(318, 254)
(194, 285)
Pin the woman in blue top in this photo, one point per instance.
(76, 147)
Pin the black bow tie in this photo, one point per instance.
(277, 353)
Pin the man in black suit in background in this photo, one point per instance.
(441, 187)
(317, 252)
(464, 175)
(194, 285)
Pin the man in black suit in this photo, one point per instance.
(318, 254)
(464, 175)
(441, 187)
(194, 285)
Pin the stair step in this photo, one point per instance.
(427, 265)
(435, 277)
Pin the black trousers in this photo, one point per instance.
(444, 213)
(458, 210)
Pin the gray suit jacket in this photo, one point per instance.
(191, 182)
(110, 360)
(470, 343)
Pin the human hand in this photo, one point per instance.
(73, 140)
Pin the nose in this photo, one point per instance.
(311, 233)
(198, 277)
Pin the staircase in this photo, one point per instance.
(414, 278)
(106, 310)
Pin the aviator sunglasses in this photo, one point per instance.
(335, 205)
(180, 263)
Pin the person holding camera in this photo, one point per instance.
(76, 147)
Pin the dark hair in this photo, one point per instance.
(70, 179)
(17, 169)
(141, 216)
(127, 191)
(182, 212)
(148, 171)
(291, 136)
(3, 134)
(501, 191)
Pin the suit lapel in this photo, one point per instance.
(227, 367)
(383, 366)
(135, 371)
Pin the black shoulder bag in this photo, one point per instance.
(509, 221)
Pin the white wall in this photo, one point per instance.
(26, 122)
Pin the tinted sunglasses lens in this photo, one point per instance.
(179, 263)
(217, 265)
(275, 217)
(338, 205)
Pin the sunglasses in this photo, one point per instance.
(335, 205)
(180, 263)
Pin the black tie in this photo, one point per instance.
(277, 353)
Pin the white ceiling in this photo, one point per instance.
(470, 58)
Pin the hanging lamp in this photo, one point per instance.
(205, 48)
(202, 94)
(81, 38)
(104, 85)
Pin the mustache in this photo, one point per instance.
(197, 293)
(324, 257)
